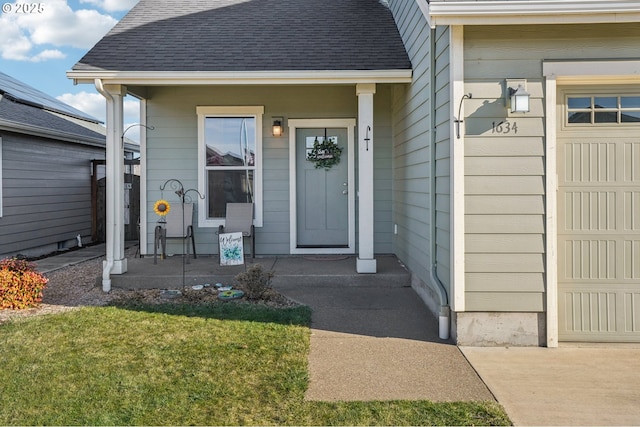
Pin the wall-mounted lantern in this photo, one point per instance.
(276, 129)
(519, 98)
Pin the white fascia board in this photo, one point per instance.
(533, 12)
(160, 78)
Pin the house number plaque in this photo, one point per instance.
(504, 127)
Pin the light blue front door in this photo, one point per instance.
(321, 194)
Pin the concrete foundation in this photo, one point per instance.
(487, 329)
(494, 329)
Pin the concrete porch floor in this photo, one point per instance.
(174, 273)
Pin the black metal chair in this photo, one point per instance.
(175, 227)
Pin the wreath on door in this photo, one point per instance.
(324, 154)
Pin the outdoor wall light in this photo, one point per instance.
(519, 99)
(276, 130)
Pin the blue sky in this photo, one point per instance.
(41, 41)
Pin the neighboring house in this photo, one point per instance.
(435, 167)
(46, 150)
(535, 231)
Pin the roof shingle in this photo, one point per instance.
(251, 35)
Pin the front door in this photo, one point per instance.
(323, 196)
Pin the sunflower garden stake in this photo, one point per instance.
(161, 208)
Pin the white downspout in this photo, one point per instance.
(436, 284)
(108, 264)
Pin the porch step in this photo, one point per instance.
(330, 271)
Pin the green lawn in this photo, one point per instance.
(224, 364)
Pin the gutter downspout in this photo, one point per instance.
(108, 264)
(436, 284)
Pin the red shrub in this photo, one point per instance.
(20, 285)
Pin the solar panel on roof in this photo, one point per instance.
(26, 93)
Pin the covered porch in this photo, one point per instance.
(332, 83)
(290, 271)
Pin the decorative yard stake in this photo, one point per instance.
(184, 196)
(162, 208)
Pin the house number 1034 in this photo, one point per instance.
(504, 127)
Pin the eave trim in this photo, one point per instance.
(161, 78)
(533, 12)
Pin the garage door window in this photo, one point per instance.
(603, 110)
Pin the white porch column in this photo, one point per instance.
(366, 263)
(115, 262)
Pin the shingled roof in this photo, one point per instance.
(24, 108)
(21, 92)
(251, 35)
(19, 117)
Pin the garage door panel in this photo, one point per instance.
(632, 260)
(631, 209)
(632, 312)
(590, 259)
(588, 210)
(587, 310)
(591, 314)
(632, 162)
(590, 162)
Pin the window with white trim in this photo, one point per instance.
(603, 109)
(230, 161)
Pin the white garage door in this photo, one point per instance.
(599, 216)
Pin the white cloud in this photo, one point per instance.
(48, 54)
(23, 33)
(112, 5)
(13, 43)
(94, 104)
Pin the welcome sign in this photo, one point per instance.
(231, 249)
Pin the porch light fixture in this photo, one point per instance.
(519, 99)
(276, 130)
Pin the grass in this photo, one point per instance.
(223, 364)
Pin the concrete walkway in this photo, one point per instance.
(374, 342)
(571, 385)
(71, 257)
